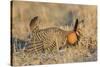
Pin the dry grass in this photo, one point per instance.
(52, 15)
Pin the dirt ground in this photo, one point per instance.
(56, 15)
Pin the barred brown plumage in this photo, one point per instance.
(45, 40)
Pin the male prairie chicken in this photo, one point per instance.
(50, 38)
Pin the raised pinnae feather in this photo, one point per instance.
(76, 25)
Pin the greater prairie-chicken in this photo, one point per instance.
(50, 38)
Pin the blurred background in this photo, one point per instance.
(62, 16)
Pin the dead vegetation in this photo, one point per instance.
(56, 15)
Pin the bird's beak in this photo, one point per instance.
(77, 33)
